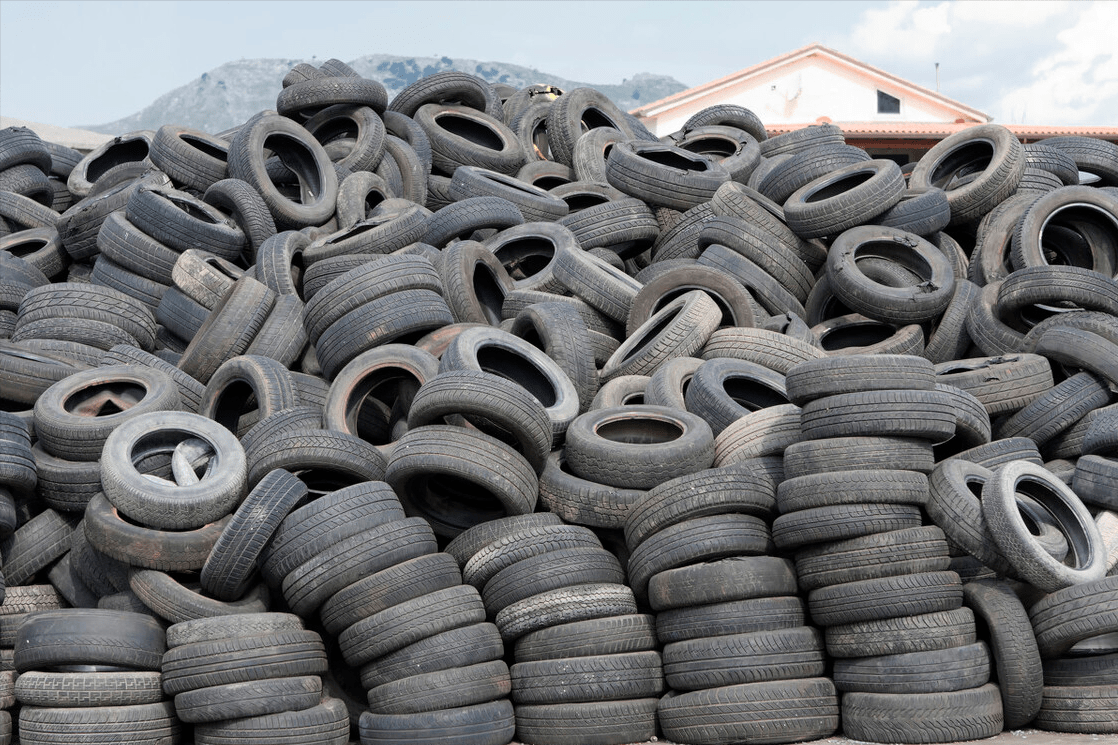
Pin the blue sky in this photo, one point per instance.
(84, 62)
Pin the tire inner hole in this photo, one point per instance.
(639, 431)
(104, 399)
(519, 370)
(469, 130)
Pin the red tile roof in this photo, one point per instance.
(939, 130)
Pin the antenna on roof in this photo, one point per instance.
(937, 77)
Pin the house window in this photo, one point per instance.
(887, 104)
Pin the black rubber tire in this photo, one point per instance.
(465, 136)
(581, 501)
(878, 555)
(1082, 209)
(680, 328)
(739, 488)
(191, 157)
(765, 712)
(902, 635)
(989, 147)
(475, 282)
(339, 515)
(1025, 554)
(232, 561)
(934, 671)
(368, 281)
(563, 335)
(695, 540)
(492, 403)
(143, 724)
(597, 636)
(1004, 384)
(228, 329)
(844, 198)
(399, 316)
(725, 580)
(548, 571)
(247, 208)
(1090, 155)
(1066, 617)
(334, 567)
(172, 506)
(534, 203)
(275, 654)
(409, 622)
(564, 605)
(181, 222)
(830, 376)
(528, 253)
(491, 723)
(111, 534)
(69, 301)
(1056, 410)
(928, 415)
(1079, 708)
(602, 286)
(249, 699)
(62, 428)
(247, 378)
(287, 140)
(444, 689)
(574, 110)
(920, 212)
(916, 303)
(89, 637)
(324, 460)
(839, 522)
(887, 597)
(923, 717)
(1094, 476)
(596, 678)
(723, 390)
(381, 590)
(80, 690)
(1020, 676)
(736, 659)
(432, 463)
(466, 645)
(176, 602)
(954, 505)
(501, 353)
(663, 175)
(629, 457)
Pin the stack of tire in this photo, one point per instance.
(31, 184)
(18, 475)
(400, 612)
(877, 579)
(586, 668)
(139, 246)
(739, 660)
(252, 677)
(487, 290)
(92, 676)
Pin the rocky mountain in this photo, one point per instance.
(228, 95)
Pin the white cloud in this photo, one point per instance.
(914, 27)
(1020, 62)
(1075, 84)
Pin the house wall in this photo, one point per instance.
(805, 91)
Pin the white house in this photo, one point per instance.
(878, 111)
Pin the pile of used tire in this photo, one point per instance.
(484, 415)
